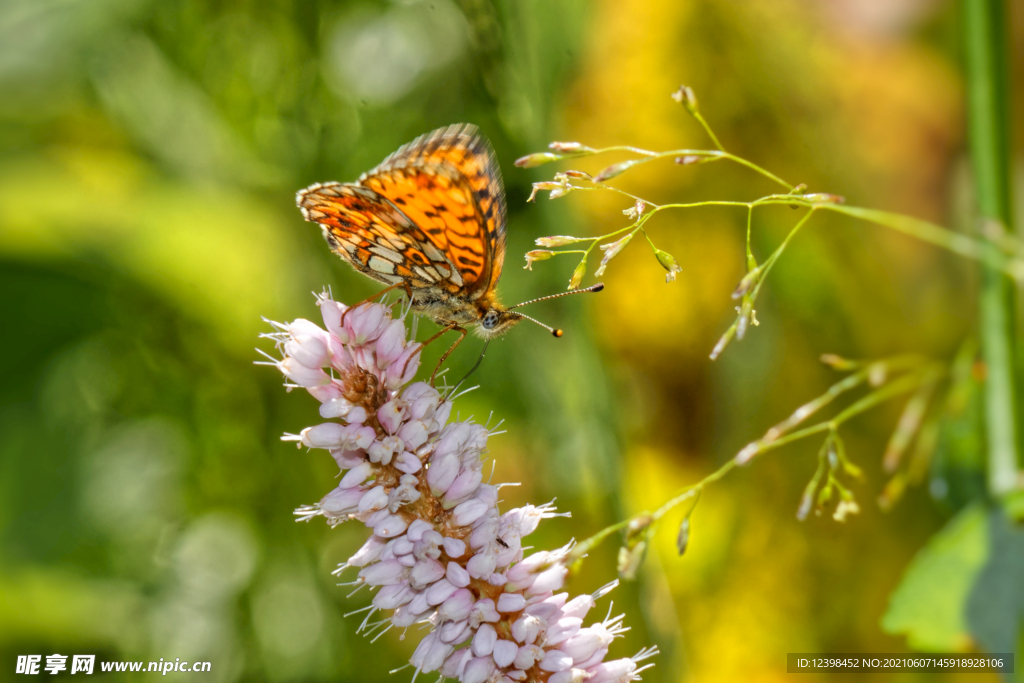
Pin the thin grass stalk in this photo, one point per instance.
(988, 131)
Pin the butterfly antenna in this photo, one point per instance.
(555, 331)
(592, 288)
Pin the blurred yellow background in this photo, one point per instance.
(149, 156)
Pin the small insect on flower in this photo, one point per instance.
(430, 219)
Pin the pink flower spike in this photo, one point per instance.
(403, 464)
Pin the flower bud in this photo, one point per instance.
(390, 415)
(366, 323)
(340, 502)
(562, 630)
(537, 255)
(309, 350)
(457, 606)
(478, 670)
(440, 591)
(430, 653)
(617, 169)
(455, 665)
(610, 251)
(368, 553)
(577, 275)
(426, 572)
(568, 147)
(570, 676)
(383, 573)
(393, 596)
(528, 655)
(557, 241)
(483, 611)
(537, 159)
(335, 407)
(390, 526)
(454, 547)
(390, 344)
(511, 602)
(504, 653)
(668, 263)
(484, 640)
(303, 375)
(686, 97)
(356, 476)
(455, 632)
(464, 486)
(555, 660)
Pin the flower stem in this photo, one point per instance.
(988, 132)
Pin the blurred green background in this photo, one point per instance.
(149, 156)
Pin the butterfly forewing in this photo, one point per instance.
(432, 214)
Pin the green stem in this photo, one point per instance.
(988, 132)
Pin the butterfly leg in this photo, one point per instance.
(381, 293)
(444, 356)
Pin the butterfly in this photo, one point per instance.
(430, 219)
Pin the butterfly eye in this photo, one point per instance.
(490, 319)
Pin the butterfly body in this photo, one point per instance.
(429, 219)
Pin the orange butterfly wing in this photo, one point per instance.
(431, 214)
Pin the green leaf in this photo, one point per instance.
(928, 605)
(995, 607)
